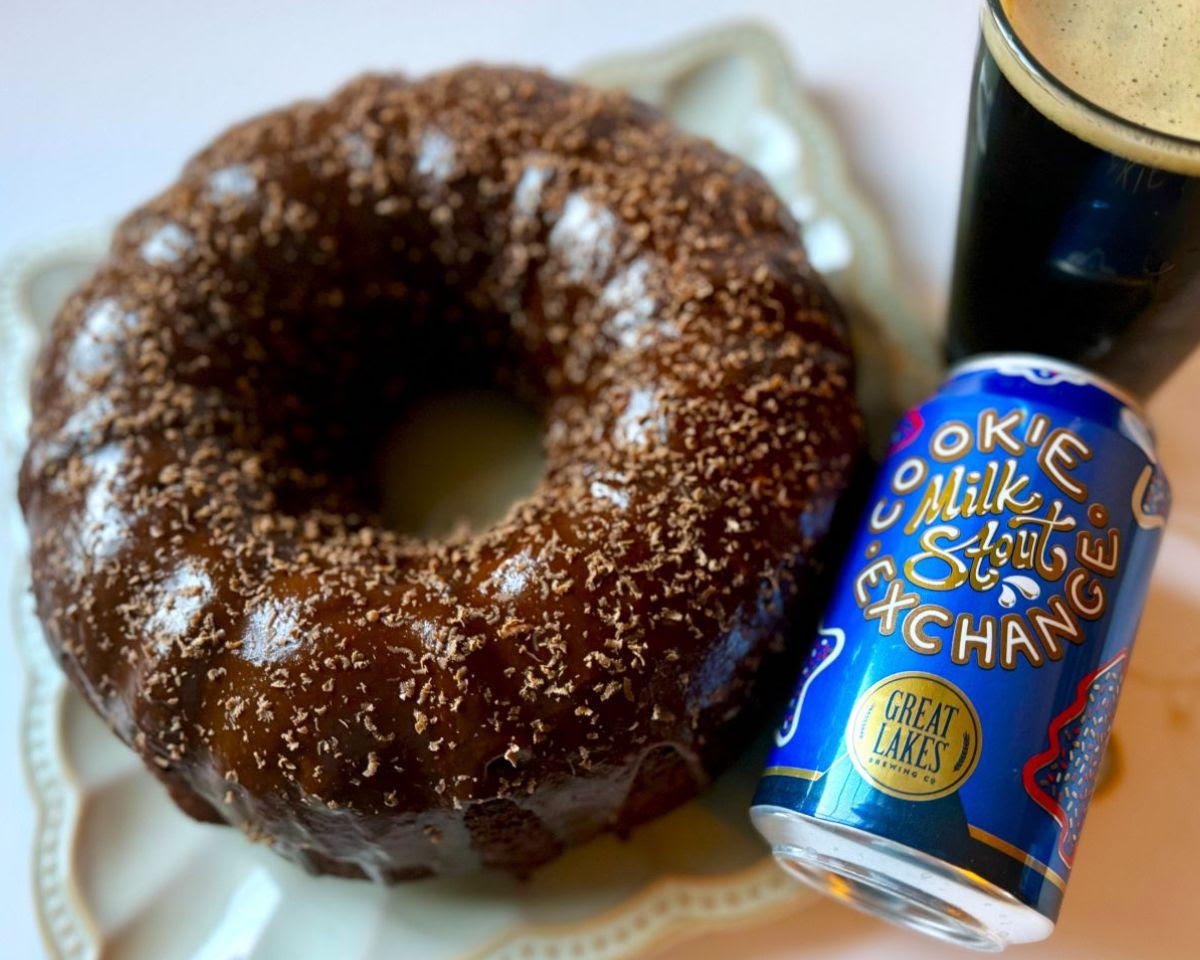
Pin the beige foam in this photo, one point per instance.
(1139, 59)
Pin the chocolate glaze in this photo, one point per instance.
(197, 484)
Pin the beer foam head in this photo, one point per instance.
(1138, 59)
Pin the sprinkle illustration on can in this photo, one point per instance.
(936, 762)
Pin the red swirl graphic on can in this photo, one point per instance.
(1061, 778)
(907, 430)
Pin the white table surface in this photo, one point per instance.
(102, 100)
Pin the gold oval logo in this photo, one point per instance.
(914, 736)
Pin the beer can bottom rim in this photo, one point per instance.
(898, 883)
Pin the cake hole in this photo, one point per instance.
(455, 458)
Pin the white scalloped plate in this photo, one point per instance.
(120, 873)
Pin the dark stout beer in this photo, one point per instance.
(1079, 225)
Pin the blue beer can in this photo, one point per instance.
(936, 762)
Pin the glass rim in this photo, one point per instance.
(1048, 80)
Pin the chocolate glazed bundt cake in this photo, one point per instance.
(199, 483)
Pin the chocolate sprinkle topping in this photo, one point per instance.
(199, 492)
